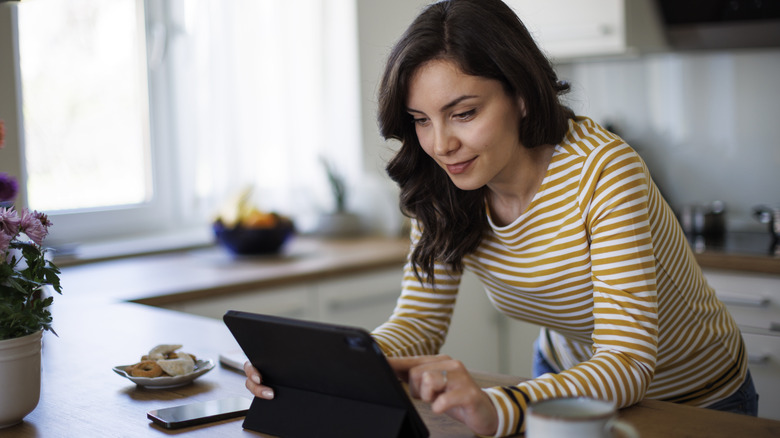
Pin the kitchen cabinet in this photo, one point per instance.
(290, 301)
(754, 301)
(476, 337)
(520, 336)
(573, 29)
(367, 300)
(764, 358)
(364, 300)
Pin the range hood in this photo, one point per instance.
(721, 24)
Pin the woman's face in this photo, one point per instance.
(468, 124)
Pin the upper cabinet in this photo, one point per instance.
(570, 30)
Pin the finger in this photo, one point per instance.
(434, 383)
(254, 383)
(405, 363)
(252, 373)
(469, 405)
(427, 380)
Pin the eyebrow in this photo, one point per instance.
(447, 105)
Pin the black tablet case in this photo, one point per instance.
(328, 380)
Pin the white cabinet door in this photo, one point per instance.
(764, 358)
(474, 336)
(754, 301)
(363, 300)
(292, 302)
(368, 300)
(573, 29)
(519, 356)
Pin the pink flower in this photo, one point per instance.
(9, 221)
(35, 225)
(5, 242)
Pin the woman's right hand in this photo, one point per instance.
(254, 383)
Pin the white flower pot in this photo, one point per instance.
(20, 377)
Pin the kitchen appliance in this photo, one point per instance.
(707, 220)
(770, 216)
(721, 24)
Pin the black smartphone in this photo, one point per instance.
(200, 412)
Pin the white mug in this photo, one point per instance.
(580, 417)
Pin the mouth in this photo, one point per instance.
(458, 168)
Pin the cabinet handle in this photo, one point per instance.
(744, 301)
(758, 359)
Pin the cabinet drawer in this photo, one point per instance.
(753, 299)
(292, 302)
(764, 362)
(363, 300)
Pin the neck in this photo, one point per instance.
(509, 199)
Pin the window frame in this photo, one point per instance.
(177, 209)
(164, 212)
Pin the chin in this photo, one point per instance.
(466, 184)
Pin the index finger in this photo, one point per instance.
(406, 363)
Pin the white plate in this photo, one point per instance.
(202, 366)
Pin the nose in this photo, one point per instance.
(444, 142)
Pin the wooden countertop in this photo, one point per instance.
(738, 251)
(81, 396)
(762, 264)
(167, 278)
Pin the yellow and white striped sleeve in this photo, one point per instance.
(421, 319)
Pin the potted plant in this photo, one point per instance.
(340, 222)
(26, 276)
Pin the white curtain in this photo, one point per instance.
(263, 89)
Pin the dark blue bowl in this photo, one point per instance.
(253, 241)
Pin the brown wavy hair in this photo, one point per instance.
(484, 38)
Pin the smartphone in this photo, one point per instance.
(200, 413)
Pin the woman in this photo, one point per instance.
(559, 219)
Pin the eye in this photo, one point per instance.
(466, 115)
(420, 121)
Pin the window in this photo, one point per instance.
(85, 111)
(143, 117)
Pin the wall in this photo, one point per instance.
(11, 158)
(380, 24)
(705, 122)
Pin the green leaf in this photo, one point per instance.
(24, 309)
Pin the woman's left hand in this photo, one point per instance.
(449, 388)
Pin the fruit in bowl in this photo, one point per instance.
(244, 229)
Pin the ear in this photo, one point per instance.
(521, 107)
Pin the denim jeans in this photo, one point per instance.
(744, 401)
(540, 365)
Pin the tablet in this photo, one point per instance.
(328, 380)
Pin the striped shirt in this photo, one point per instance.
(599, 260)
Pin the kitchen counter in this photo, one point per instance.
(81, 396)
(738, 251)
(168, 278)
(163, 279)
